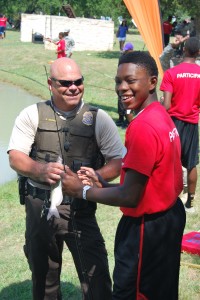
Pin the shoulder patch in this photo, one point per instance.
(87, 118)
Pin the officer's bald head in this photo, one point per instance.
(65, 66)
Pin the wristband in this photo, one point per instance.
(85, 188)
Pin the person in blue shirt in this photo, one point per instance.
(121, 34)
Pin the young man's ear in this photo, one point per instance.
(154, 80)
(153, 83)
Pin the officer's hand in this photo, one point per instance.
(71, 184)
(50, 172)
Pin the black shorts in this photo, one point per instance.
(189, 136)
(147, 255)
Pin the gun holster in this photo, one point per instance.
(22, 186)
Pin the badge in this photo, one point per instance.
(87, 118)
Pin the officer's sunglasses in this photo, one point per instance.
(68, 83)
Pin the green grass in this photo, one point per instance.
(22, 64)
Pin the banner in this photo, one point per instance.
(146, 14)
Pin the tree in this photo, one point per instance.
(181, 9)
(98, 8)
(82, 8)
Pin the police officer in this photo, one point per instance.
(81, 135)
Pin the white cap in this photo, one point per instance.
(66, 30)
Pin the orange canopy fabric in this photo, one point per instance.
(146, 14)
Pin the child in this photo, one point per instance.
(60, 45)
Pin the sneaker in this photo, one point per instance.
(190, 210)
(189, 206)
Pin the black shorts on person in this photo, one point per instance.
(147, 255)
(189, 136)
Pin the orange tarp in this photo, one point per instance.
(146, 14)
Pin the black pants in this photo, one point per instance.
(120, 108)
(147, 256)
(166, 39)
(44, 244)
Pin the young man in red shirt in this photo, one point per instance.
(181, 87)
(167, 30)
(149, 235)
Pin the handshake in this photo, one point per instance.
(72, 183)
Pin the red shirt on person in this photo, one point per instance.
(153, 149)
(167, 27)
(3, 22)
(183, 81)
(61, 47)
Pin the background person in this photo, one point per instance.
(192, 27)
(167, 30)
(149, 234)
(181, 87)
(168, 56)
(60, 45)
(69, 43)
(169, 59)
(83, 135)
(3, 22)
(121, 34)
(122, 112)
(184, 28)
(174, 27)
(128, 47)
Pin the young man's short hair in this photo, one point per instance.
(142, 59)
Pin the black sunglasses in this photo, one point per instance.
(68, 83)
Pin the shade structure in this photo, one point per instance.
(146, 14)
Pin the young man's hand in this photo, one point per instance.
(88, 176)
(71, 184)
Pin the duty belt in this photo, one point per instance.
(44, 194)
(38, 193)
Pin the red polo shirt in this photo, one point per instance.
(153, 149)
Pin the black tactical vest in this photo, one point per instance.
(73, 138)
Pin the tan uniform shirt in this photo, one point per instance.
(26, 124)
